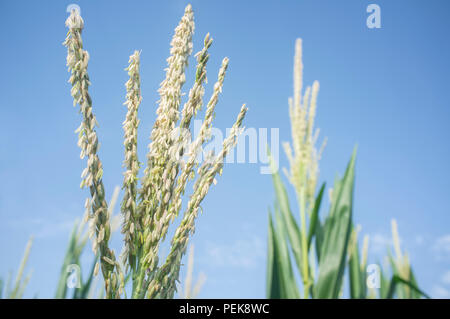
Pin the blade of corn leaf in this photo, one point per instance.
(84, 290)
(273, 289)
(384, 284)
(289, 283)
(335, 191)
(292, 228)
(337, 233)
(392, 287)
(318, 239)
(281, 282)
(398, 280)
(401, 294)
(19, 285)
(61, 291)
(320, 227)
(315, 228)
(76, 291)
(73, 253)
(356, 276)
(414, 294)
(315, 214)
(21, 290)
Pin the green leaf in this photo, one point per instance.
(82, 293)
(384, 285)
(318, 239)
(336, 237)
(281, 281)
(61, 290)
(357, 276)
(315, 227)
(292, 228)
(273, 288)
(289, 283)
(398, 280)
(413, 293)
(399, 289)
(72, 256)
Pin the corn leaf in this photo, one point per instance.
(281, 281)
(61, 291)
(384, 285)
(290, 285)
(396, 280)
(336, 237)
(315, 227)
(273, 289)
(290, 224)
(356, 275)
(414, 293)
(72, 256)
(83, 292)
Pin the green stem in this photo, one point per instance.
(304, 243)
(139, 284)
(138, 274)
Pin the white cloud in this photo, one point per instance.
(44, 227)
(442, 246)
(440, 292)
(379, 243)
(241, 253)
(443, 243)
(420, 240)
(446, 278)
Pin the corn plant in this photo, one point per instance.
(151, 202)
(9, 290)
(77, 243)
(76, 246)
(190, 290)
(323, 251)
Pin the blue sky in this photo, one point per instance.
(386, 90)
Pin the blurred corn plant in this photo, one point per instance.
(402, 283)
(190, 290)
(9, 290)
(324, 250)
(82, 289)
(71, 262)
(152, 202)
(77, 243)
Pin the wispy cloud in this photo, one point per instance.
(441, 247)
(240, 253)
(440, 292)
(379, 243)
(446, 278)
(44, 227)
(443, 243)
(419, 240)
